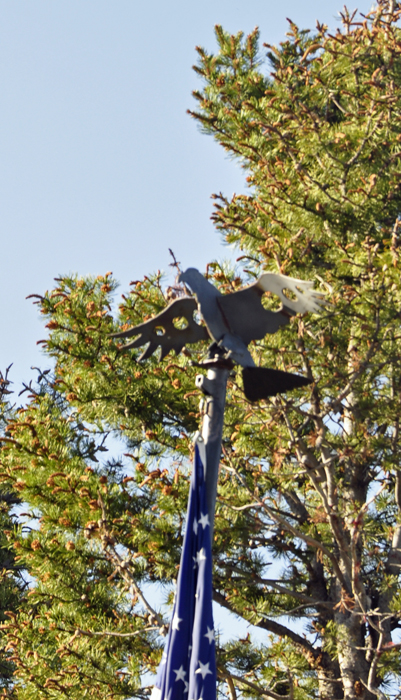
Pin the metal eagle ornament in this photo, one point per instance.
(232, 321)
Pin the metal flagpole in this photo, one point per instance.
(214, 386)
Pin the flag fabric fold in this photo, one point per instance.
(188, 667)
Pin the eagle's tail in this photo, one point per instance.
(261, 382)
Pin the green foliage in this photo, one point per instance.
(307, 544)
(12, 581)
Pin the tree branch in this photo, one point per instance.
(259, 690)
(271, 626)
(297, 533)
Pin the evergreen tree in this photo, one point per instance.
(307, 543)
(12, 580)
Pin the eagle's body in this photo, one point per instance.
(210, 307)
(207, 297)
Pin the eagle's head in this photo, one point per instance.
(193, 278)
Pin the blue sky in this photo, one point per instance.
(100, 166)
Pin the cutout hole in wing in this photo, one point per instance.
(290, 295)
(197, 317)
(180, 323)
(270, 301)
(159, 330)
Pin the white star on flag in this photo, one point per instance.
(195, 526)
(175, 623)
(204, 520)
(180, 674)
(210, 635)
(204, 669)
(200, 556)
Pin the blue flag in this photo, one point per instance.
(188, 667)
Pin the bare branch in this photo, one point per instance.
(294, 531)
(264, 693)
(271, 626)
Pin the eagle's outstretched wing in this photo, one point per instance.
(247, 318)
(161, 330)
